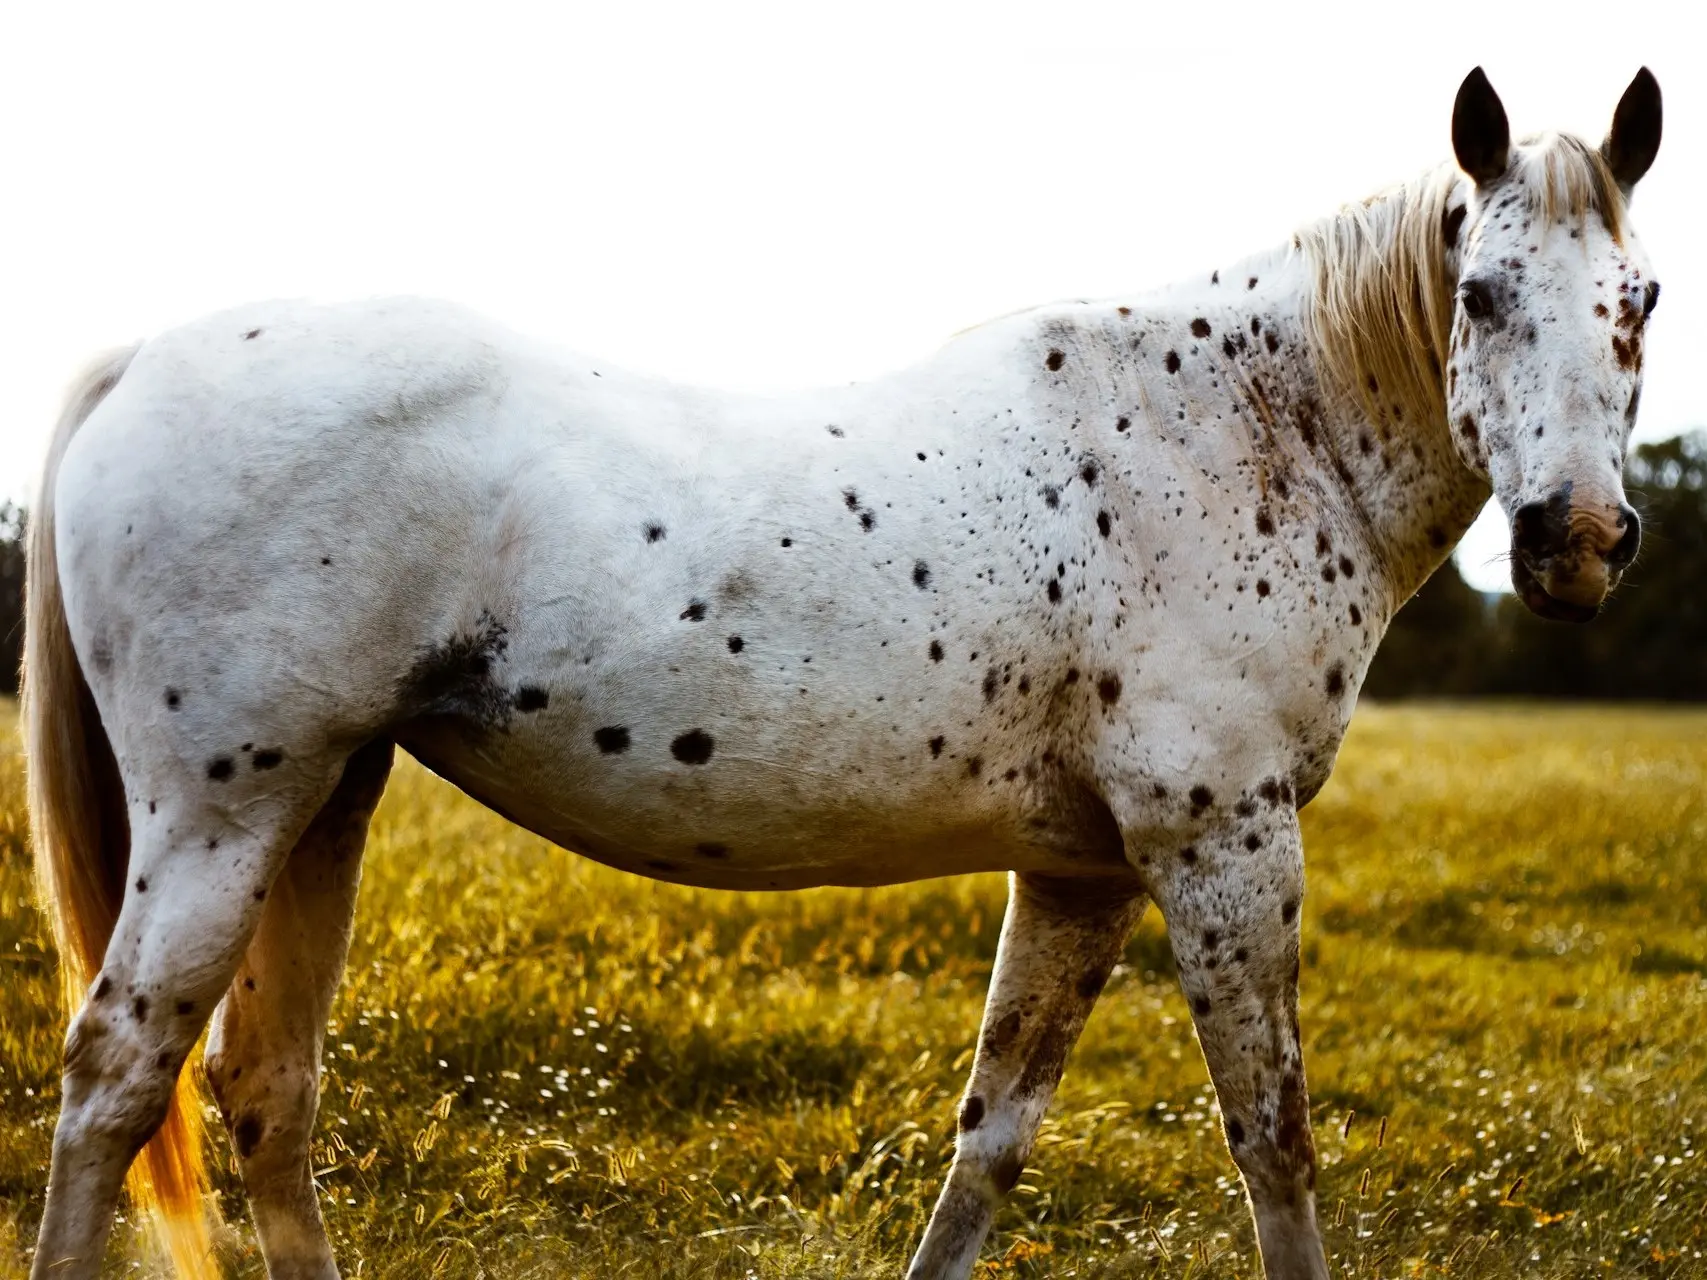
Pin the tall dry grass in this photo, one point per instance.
(539, 1067)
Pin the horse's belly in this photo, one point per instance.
(755, 824)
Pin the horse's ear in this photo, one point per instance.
(1635, 138)
(1481, 136)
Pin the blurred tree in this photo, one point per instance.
(11, 594)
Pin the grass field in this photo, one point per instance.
(539, 1067)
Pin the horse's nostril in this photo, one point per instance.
(1530, 531)
(1541, 530)
(1627, 546)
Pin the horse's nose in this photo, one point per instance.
(1542, 530)
(1624, 550)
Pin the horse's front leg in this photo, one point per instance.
(1231, 901)
(1059, 942)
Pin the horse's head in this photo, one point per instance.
(1545, 365)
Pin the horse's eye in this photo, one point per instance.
(1650, 298)
(1474, 297)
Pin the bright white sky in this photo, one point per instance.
(754, 196)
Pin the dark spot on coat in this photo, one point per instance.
(1121, 424)
(251, 335)
(974, 766)
(788, 542)
(935, 651)
(612, 739)
(186, 1008)
(1200, 1006)
(711, 849)
(139, 1007)
(851, 497)
(1054, 360)
(1051, 496)
(835, 431)
(654, 531)
(1356, 615)
(921, 574)
(936, 745)
(1000, 1037)
(1171, 362)
(692, 747)
(271, 758)
(1336, 680)
(142, 884)
(1053, 591)
(1088, 471)
(1200, 328)
(1091, 983)
(1271, 341)
(530, 697)
(219, 768)
(1262, 586)
(1601, 311)
(1253, 842)
(1251, 284)
(695, 612)
(1104, 525)
(1235, 1132)
(992, 682)
(1108, 688)
(971, 1113)
(1288, 910)
(1072, 676)
(172, 699)
(247, 1134)
(1265, 522)
(453, 678)
(1347, 567)
(1188, 855)
(736, 644)
(868, 520)
(1201, 798)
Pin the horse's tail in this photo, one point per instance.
(82, 834)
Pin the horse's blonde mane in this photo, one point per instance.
(1379, 314)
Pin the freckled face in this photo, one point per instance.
(1544, 379)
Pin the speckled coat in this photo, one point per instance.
(1088, 597)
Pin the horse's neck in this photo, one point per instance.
(1401, 478)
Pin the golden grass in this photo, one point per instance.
(538, 1067)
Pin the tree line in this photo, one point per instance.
(1450, 641)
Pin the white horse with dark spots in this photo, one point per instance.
(1086, 598)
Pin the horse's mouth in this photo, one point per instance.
(1542, 605)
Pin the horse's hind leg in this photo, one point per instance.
(263, 1057)
(203, 855)
(1059, 942)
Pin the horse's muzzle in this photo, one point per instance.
(1565, 558)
